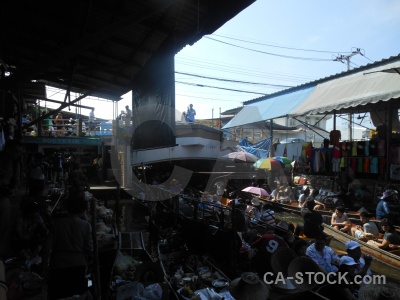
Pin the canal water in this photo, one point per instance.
(377, 267)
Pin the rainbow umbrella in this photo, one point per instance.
(268, 164)
(283, 159)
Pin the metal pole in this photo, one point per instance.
(271, 133)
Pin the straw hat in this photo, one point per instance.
(388, 291)
(281, 259)
(249, 287)
(303, 264)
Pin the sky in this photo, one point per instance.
(273, 45)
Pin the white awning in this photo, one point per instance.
(274, 106)
(361, 88)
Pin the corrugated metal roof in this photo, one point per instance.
(271, 108)
(353, 90)
(99, 46)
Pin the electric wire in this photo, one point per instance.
(240, 71)
(208, 98)
(221, 88)
(269, 53)
(275, 46)
(235, 81)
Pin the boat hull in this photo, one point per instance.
(379, 254)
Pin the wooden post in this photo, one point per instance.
(80, 127)
(3, 287)
(96, 266)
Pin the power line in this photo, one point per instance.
(235, 81)
(269, 53)
(275, 46)
(215, 87)
(238, 70)
(209, 98)
(362, 54)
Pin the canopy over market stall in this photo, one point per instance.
(357, 90)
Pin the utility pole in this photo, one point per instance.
(342, 59)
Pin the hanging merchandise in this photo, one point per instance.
(334, 137)
(326, 143)
(2, 140)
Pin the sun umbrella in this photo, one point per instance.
(256, 190)
(268, 164)
(283, 159)
(241, 156)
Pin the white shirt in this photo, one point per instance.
(324, 259)
(301, 199)
(370, 227)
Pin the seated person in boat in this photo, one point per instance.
(254, 209)
(394, 247)
(317, 204)
(274, 194)
(303, 196)
(282, 193)
(263, 248)
(267, 215)
(340, 220)
(363, 264)
(286, 231)
(360, 231)
(323, 255)
(312, 226)
(390, 237)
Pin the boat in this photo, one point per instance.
(292, 207)
(135, 271)
(391, 258)
(188, 273)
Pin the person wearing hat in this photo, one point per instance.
(347, 268)
(190, 113)
(382, 209)
(367, 226)
(390, 236)
(362, 264)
